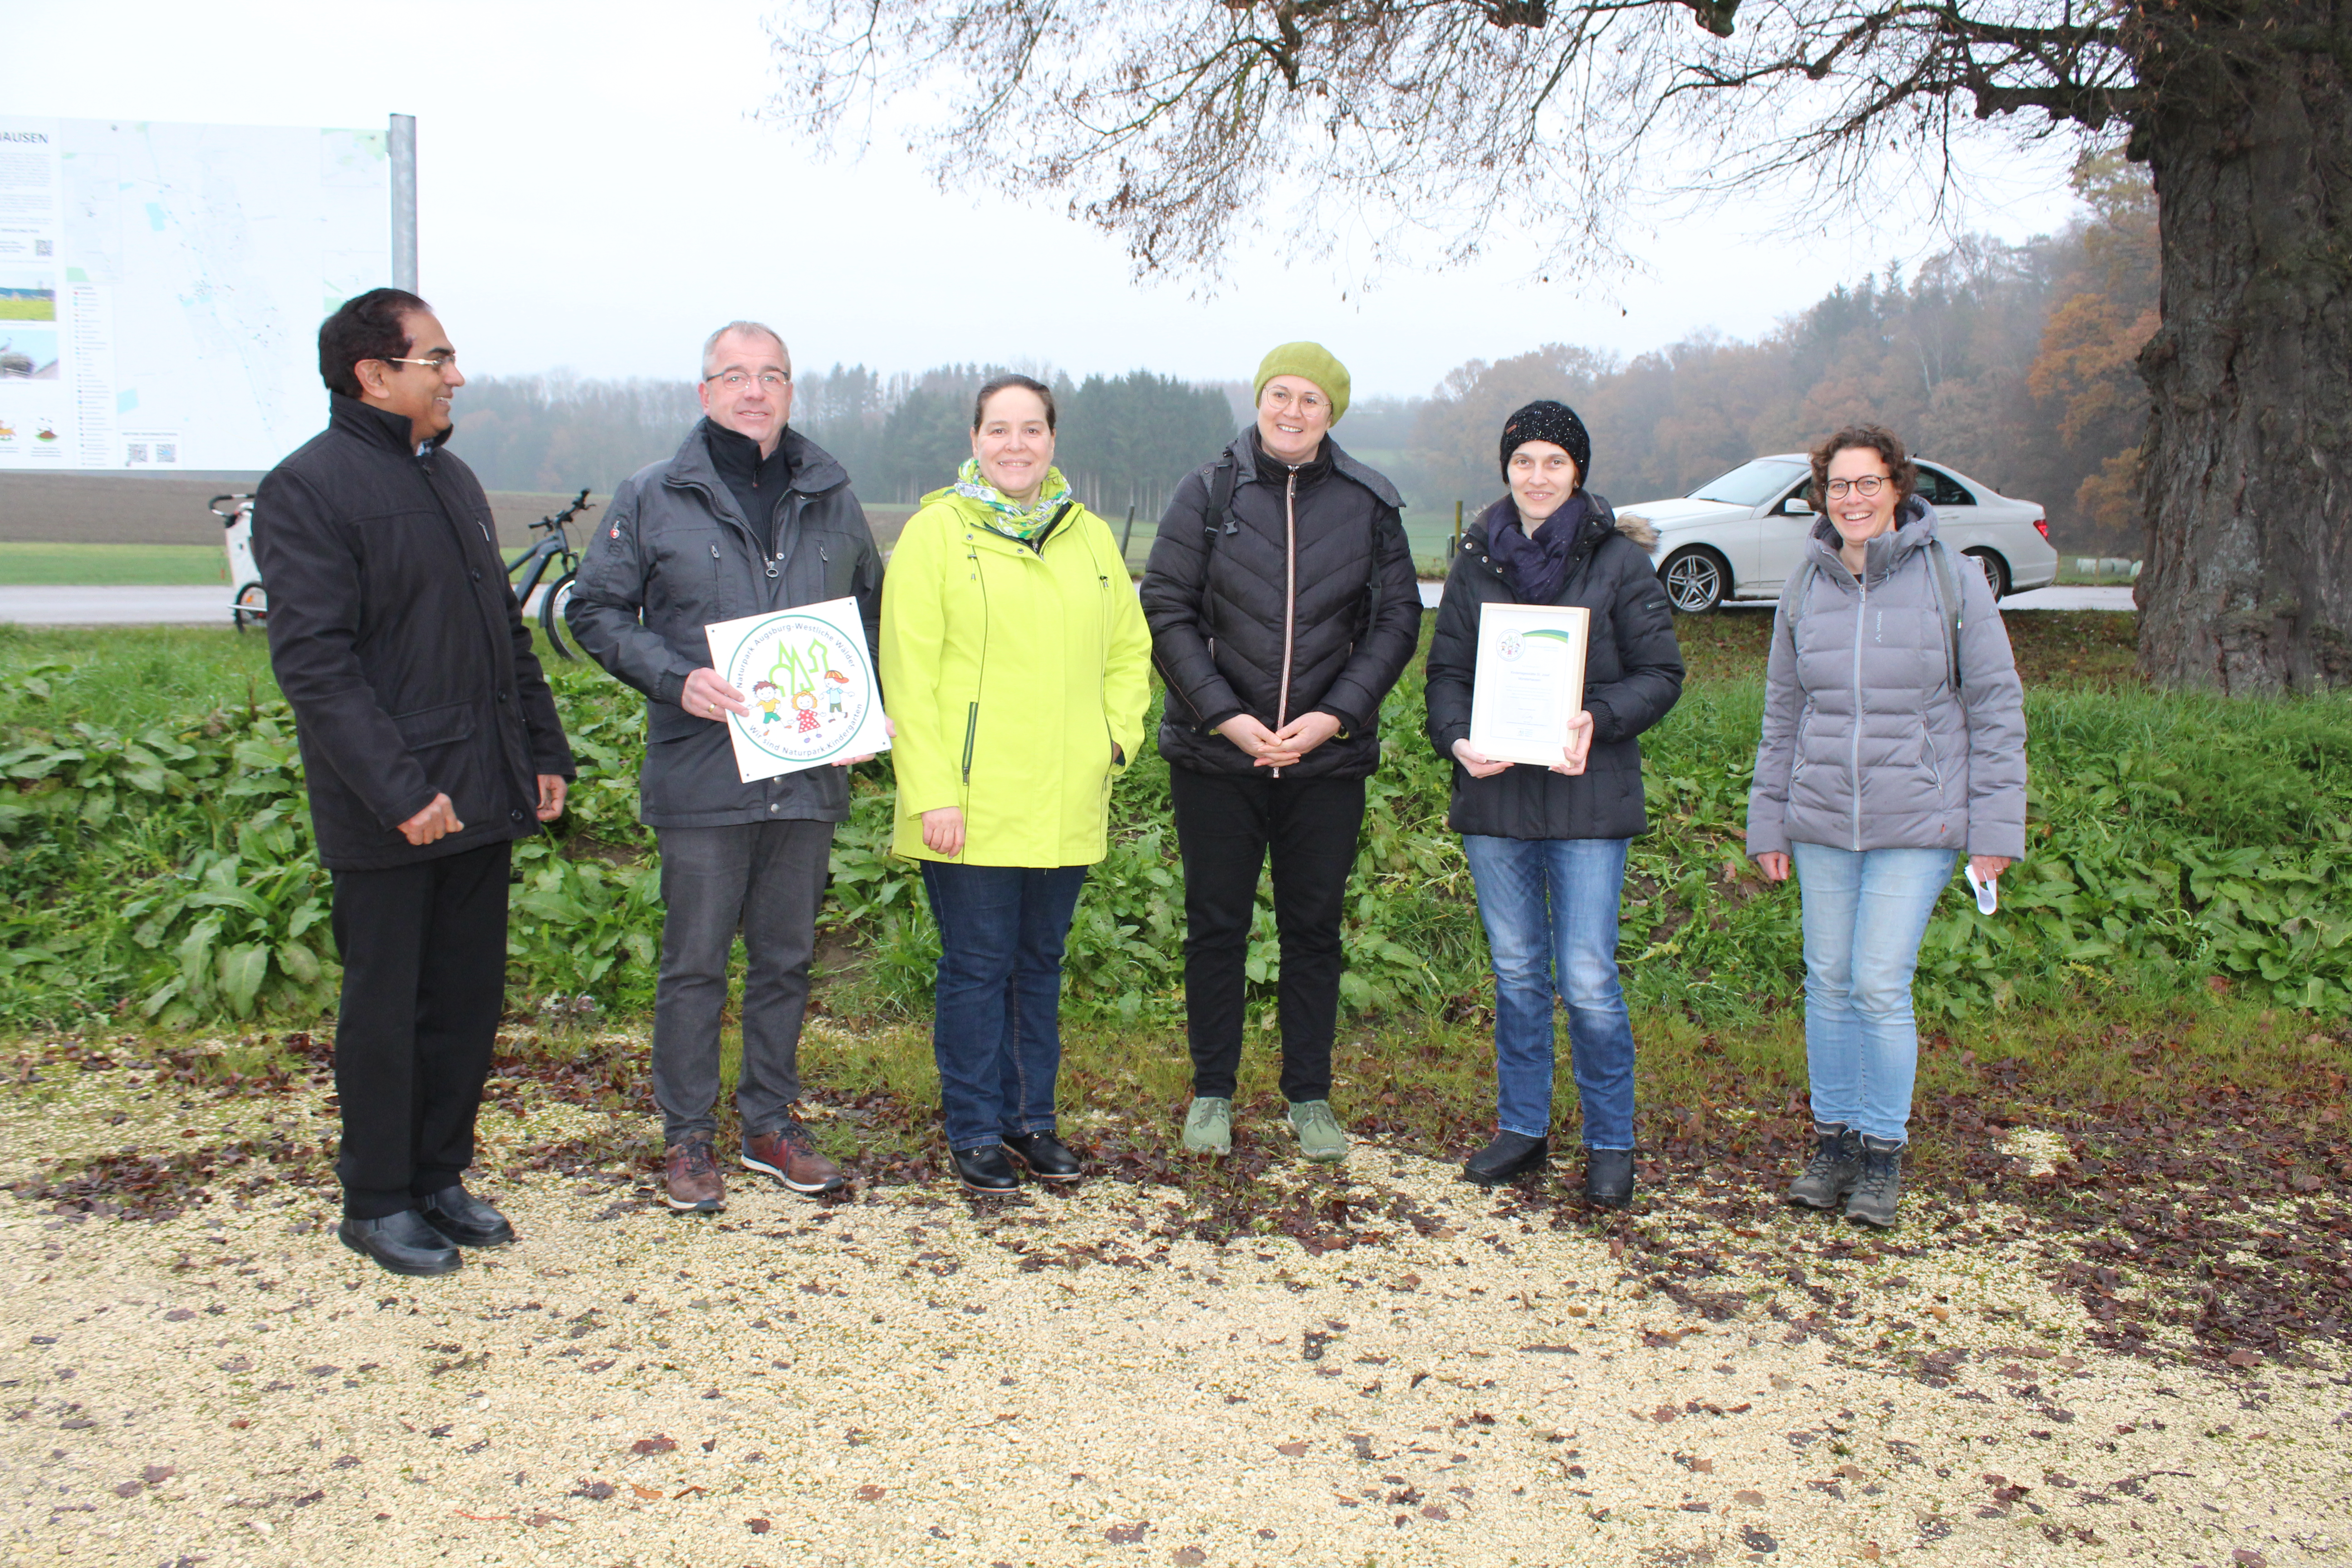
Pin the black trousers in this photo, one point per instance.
(424, 968)
(1226, 826)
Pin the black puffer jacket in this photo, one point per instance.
(1632, 675)
(398, 642)
(1304, 601)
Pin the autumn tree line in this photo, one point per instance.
(2015, 364)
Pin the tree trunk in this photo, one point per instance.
(2247, 486)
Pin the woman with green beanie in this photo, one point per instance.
(1015, 666)
(1283, 607)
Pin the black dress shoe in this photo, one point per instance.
(401, 1243)
(465, 1218)
(1510, 1155)
(1044, 1156)
(984, 1172)
(1608, 1177)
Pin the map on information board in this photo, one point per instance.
(162, 286)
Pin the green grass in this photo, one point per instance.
(24, 565)
(28, 310)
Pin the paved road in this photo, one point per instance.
(2033, 599)
(115, 607)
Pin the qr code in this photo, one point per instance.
(45, 248)
(135, 452)
(167, 452)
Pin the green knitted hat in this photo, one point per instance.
(1310, 361)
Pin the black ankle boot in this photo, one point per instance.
(984, 1172)
(1511, 1154)
(1044, 1156)
(1830, 1174)
(1608, 1177)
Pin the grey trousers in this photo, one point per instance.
(765, 879)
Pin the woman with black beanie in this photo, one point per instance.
(1546, 846)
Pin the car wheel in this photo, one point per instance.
(1696, 580)
(250, 606)
(551, 615)
(1995, 569)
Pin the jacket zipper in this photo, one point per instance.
(1289, 596)
(1860, 613)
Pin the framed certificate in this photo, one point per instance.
(1529, 680)
(813, 697)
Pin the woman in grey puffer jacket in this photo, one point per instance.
(1894, 742)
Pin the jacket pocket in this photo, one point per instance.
(970, 733)
(427, 728)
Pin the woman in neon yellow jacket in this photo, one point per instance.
(1013, 664)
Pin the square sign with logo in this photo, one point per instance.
(812, 688)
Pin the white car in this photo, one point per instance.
(1739, 536)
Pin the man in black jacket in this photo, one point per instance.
(430, 744)
(749, 518)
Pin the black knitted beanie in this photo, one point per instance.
(1544, 420)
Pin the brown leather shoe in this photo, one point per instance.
(691, 1177)
(790, 1155)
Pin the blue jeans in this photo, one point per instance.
(1549, 907)
(996, 1024)
(1865, 912)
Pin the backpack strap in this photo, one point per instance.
(1218, 520)
(1948, 597)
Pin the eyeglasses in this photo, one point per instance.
(737, 380)
(1307, 401)
(437, 364)
(1867, 487)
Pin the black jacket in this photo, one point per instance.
(396, 637)
(1632, 674)
(676, 554)
(1312, 578)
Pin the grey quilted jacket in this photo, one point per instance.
(1865, 746)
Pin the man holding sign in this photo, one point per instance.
(748, 519)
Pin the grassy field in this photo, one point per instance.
(26, 564)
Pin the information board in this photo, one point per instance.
(162, 286)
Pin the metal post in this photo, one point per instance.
(404, 202)
(1127, 534)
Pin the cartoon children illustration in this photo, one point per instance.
(804, 705)
(765, 694)
(836, 696)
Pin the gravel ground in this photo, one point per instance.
(908, 1377)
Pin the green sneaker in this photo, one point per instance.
(1319, 1138)
(1209, 1126)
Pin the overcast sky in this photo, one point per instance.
(595, 193)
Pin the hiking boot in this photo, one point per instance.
(1209, 1126)
(690, 1179)
(1880, 1187)
(1510, 1155)
(1319, 1138)
(1044, 1156)
(1608, 1177)
(1830, 1174)
(790, 1155)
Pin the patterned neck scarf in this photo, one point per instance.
(1003, 516)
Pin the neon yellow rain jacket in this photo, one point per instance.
(1011, 673)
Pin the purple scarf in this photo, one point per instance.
(1536, 568)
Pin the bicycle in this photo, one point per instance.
(533, 563)
(248, 603)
